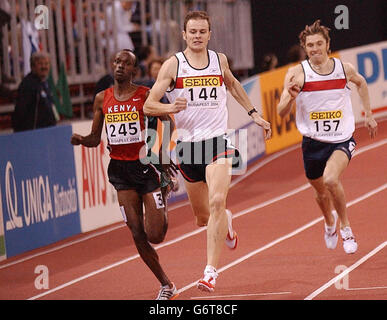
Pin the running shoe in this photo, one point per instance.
(167, 293)
(330, 234)
(349, 241)
(207, 283)
(232, 237)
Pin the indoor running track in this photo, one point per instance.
(281, 253)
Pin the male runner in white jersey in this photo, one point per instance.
(195, 81)
(325, 118)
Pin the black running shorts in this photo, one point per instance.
(125, 175)
(193, 157)
(316, 154)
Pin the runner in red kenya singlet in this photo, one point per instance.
(137, 183)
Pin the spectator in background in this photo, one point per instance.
(5, 18)
(107, 80)
(34, 106)
(152, 72)
(295, 54)
(145, 54)
(269, 62)
(122, 16)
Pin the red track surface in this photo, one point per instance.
(280, 265)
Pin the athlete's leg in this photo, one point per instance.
(156, 217)
(336, 164)
(198, 197)
(218, 179)
(131, 204)
(323, 199)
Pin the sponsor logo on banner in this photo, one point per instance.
(97, 197)
(284, 130)
(38, 186)
(41, 200)
(2, 239)
(94, 181)
(371, 62)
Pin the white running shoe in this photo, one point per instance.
(330, 234)
(207, 283)
(167, 293)
(232, 237)
(349, 241)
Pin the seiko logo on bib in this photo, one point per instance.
(208, 81)
(326, 115)
(122, 117)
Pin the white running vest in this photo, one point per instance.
(206, 114)
(324, 108)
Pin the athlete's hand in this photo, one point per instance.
(170, 168)
(179, 105)
(263, 123)
(293, 88)
(76, 139)
(168, 165)
(371, 125)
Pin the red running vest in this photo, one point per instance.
(124, 123)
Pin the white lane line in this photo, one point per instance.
(249, 172)
(346, 271)
(167, 243)
(283, 196)
(366, 288)
(171, 208)
(241, 295)
(65, 245)
(264, 162)
(287, 236)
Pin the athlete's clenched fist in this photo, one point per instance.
(179, 105)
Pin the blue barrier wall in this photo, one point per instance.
(38, 188)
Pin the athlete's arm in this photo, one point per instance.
(164, 153)
(361, 84)
(240, 95)
(292, 87)
(94, 138)
(166, 76)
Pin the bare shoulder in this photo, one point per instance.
(223, 60)
(295, 74)
(349, 69)
(296, 70)
(99, 98)
(169, 67)
(352, 74)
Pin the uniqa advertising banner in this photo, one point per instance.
(38, 188)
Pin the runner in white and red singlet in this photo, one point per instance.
(324, 116)
(196, 81)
